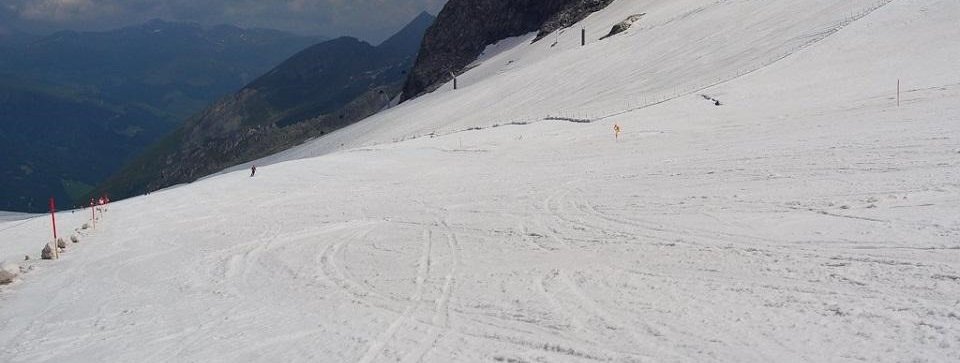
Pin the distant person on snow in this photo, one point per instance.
(253, 170)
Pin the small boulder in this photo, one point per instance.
(61, 243)
(74, 239)
(85, 226)
(8, 272)
(48, 252)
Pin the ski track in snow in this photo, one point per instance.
(807, 219)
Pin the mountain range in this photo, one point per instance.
(335, 84)
(318, 90)
(76, 106)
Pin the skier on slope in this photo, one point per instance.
(253, 170)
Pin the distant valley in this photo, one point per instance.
(76, 106)
(319, 90)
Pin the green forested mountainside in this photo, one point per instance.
(55, 143)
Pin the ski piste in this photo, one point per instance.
(807, 218)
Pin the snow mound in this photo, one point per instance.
(8, 272)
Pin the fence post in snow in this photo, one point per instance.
(583, 36)
(898, 92)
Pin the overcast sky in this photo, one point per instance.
(371, 20)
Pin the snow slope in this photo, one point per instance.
(13, 216)
(807, 219)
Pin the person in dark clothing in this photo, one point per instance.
(253, 170)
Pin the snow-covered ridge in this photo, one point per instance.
(678, 49)
(807, 218)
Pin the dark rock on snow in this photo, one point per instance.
(47, 253)
(623, 25)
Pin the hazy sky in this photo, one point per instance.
(371, 20)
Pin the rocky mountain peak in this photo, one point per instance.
(465, 27)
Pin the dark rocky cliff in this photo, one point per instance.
(465, 27)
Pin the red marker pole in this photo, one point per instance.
(53, 217)
(53, 220)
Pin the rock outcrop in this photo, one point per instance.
(623, 25)
(465, 27)
(48, 252)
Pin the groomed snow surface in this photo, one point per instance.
(808, 218)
